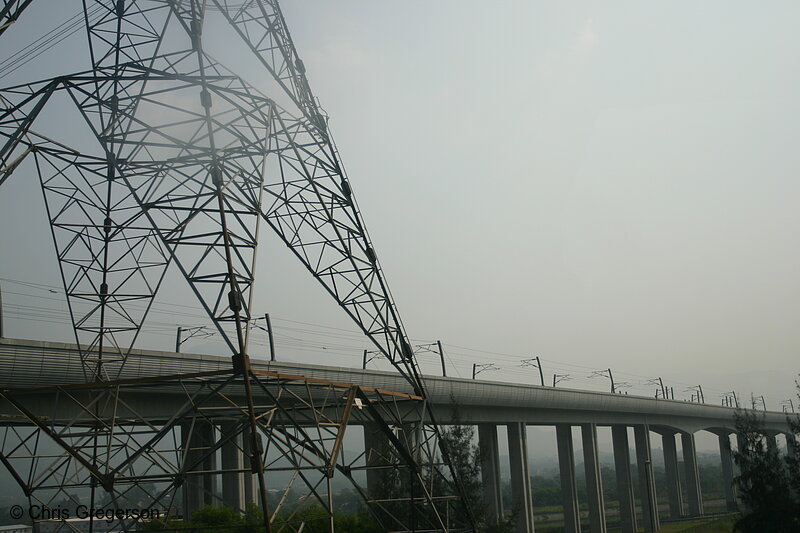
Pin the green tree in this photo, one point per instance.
(465, 458)
(314, 519)
(768, 483)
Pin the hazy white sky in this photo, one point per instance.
(601, 184)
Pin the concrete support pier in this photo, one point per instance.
(197, 439)
(594, 482)
(726, 458)
(249, 480)
(490, 473)
(192, 489)
(520, 477)
(741, 441)
(791, 445)
(647, 478)
(671, 471)
(693, 491)
(772, 442)
(569, 488)
(232, 464)
(410, 435)
(622, 468)
(378, 449)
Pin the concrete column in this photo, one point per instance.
(594, 481)
(791, 445)
(410, 434)
(192, 488)
(249, 480)
(671, 471)
(198, 486)
(520, 477)
(741, 442)
(232, 463)
(727, 471)
(566, 469)
(378, 450)
(622, 468)
(210, 495)
(490, 473)
(772, 442)
(693, 491)
(647, 478)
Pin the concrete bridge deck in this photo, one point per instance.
(26, 364)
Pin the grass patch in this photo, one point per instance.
(717, 525)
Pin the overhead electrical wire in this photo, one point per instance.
(47, 41)
(320, 338)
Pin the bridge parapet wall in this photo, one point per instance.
(30, 364)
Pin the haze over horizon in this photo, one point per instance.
(605, 186)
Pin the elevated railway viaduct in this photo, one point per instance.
(42, 371)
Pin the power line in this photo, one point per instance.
(461, 355)
(47, 41)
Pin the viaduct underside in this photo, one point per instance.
(203, 458)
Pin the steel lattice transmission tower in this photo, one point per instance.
(186, 162)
